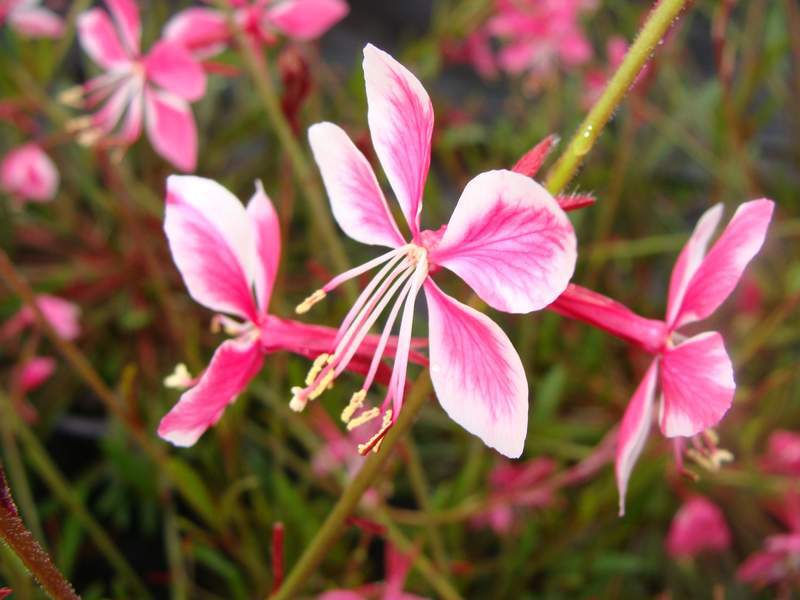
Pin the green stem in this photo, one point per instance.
(22, 543)
(659, 21)
(307, 181)
(419, 483)
(372, 467)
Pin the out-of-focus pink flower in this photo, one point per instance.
(30, 19)
(28, 174)
(5, 592)
(750, 298)
(539, 35)
(224, 251)
(152, 89)
(595, 79)
(35, 372)
(475, 50)
(695, 373)
(507, 238)
(396, 568)
(205, 31)
(62, 315)
(783, 453)
(697, 527)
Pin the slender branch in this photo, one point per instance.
(22, 543)
(657, 25)
(372, 467)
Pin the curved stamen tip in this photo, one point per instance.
(316, 368)
(306, 304)
(72, 97)
(375, 441)
(179, 379)
(299, 399)
(89, 137)
(356, 401)
(78, 124)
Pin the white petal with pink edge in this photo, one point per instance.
(697, 385)
(510, 241)
(633, 431)
(232, 367)
(100, 40)
(357, 201)
(476, 373)
(171, 128)
(212, 244)
(267, 236)
(721, 269)
(126, 17)
(400, 119)
(172, 67)
(306, 19)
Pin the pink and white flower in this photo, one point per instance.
(205, 31)
(224, 251)
(694, 374)
(698, 526)
(507, 238)
(62, 315)
(153, 89)
(31, 19)
(28, 174)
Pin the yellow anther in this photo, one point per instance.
(306, 304)
(78, 123)
(72, 97)
(179, 379)
(720, 457)
(376, 440)
(316, 368)
(89, 137)
(364, 417)
(322, 385)
(298, 401)
(356, 401)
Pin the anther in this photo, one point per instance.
(89, 137)
(78, 124)
(179, 379)
(322, 385)
(356, 401)
(299, 400)
(72, 97)
(306, 304)
(364, 417)
(316, 368)
(376, 440)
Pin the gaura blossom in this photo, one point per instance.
(30, 19)
(397, 566)
(694, 374)
(205, 31)
(62, 315)
(155, 88)
(224, 251)
(783, 453)
(28, 174)
(698, 526)
(34, 373)
(507, 238)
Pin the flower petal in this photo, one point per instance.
(34, 373)
(36, 22)
(633, 431)
(172, 67)
(697, 385)
(171, 128)
(202, 31)
(356, 198)
(477, 374)
(100, 40)
(28, 173)
(510, 241)
(267, 236)
(232, 367)
(212, 244)
(720, 271)
(698, 526)
(307, 19)
(401, 124)
(126, 16)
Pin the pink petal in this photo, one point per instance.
(697, 385)
(477, 374)
(234, 364)
(36, 22)
(356, 198)
(28, 173)
(267, 236)
(201, 30)
(63, 315)
(341, 595)
(173, 68)
(35, 372)
(698, 526)
(690, 258)
(510, 241)
(307, 19)
(171, 128)
(762, 568)
(401, 124)
(634, 430)
(783, 453)
(720, 271)
(211, 239)
(100, 40)
(609, 315)
(126, 16)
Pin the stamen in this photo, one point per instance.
(299, 399)
(364, 417)
(316, 368)
(356, 401)
(367, 266)
(306, 304)
(179, 379)
(323, 384)
(72, 97)
(78, 124)
(89, 137)
(375, 441)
